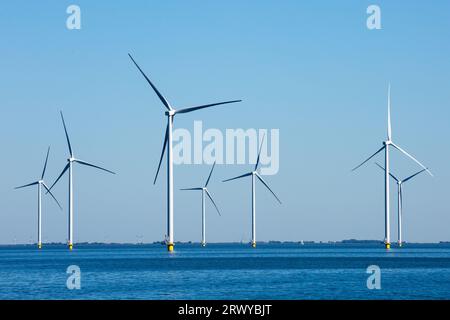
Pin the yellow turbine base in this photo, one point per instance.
(388, 246)
(39, 245)
(203, 244)
(253, 244)
(170, 247)
(400, 244)
(70, 246)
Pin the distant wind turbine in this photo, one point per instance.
(170, 113)
(254, 174)
(400, 199)
(385, 147)
(40, 183)
(205, 191)
(69, 166)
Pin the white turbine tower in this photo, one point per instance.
(40, 183)
(170, 113)
(400, 200)
(255, 175)
(69, 166)
(205, 191)
(385, 147)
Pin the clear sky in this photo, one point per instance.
(310, 69)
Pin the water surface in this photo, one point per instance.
(225, 271)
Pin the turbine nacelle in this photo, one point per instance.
(171, 113)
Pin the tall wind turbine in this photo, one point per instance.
(254, 174)
(170, 113)
(385, 147)
(205, 191)
(69, 166)
(400, 199)
(41, 183)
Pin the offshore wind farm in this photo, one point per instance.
(273, 103)
(400, 200)
(386, 147)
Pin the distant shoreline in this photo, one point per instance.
(264, 243)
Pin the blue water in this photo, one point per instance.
(225, 271)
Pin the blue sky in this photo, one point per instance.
(312, 70)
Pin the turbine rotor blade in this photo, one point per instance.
(45, 165)
(27, 185)
(166, 140)
(389, 114)
(160, 96)
(209, 177)
(48, 191)
(259, 152)
(190, 109)
(369, 158)
(242, 176)
(267, 186)
(382, 168)
(190, 189)
(210, 198)
(412, 176)
(59, 177)
(67, 135)
(412, 158)
(93, 166)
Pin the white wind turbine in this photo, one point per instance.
(41, 183)
(69, 166)
(385, 147)
(170, 113)
(205, 191)
(255, 175)
(400, 200)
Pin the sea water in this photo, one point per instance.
(225, 271)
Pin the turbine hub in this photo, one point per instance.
(170, 113)
(387, 142)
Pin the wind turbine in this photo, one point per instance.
(69, 166)
(385, 147)
(170, 113)
(400, 199)
(254, 174)
(40, 183)
(205, 191)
